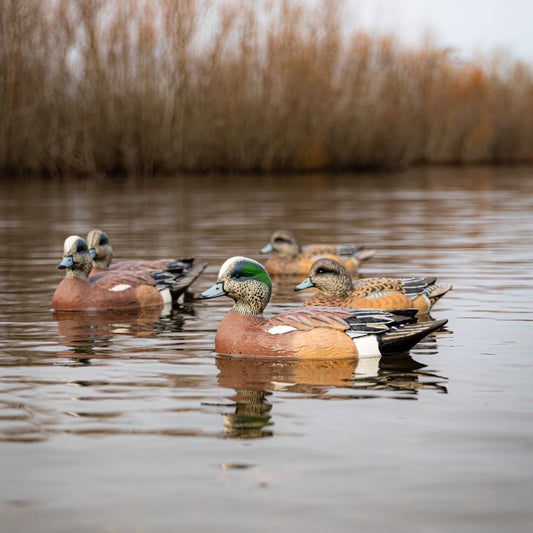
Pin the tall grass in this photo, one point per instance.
(145, 86)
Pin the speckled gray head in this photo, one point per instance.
(77, 259)
(98, 242)
(244, 280)
(329, 277)
(284, 243)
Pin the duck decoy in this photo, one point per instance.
(305, 332)
(98, 242)
(337, 289)
(112, 290)
(293, 259)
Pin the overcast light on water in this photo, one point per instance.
(131, 422)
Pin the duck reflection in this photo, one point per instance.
(400, 373)
(87, 333)
(254, 380)
(251, 418)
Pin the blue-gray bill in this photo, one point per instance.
(66, 263)
(213, 292)
(305, 284)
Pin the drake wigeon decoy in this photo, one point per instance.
(98, 242)
(111, 290)
(338, 290)
(293, 259)
(305, 332)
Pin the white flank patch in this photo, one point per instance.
(280, 330)
(367, 346)
(167, 296)
(120, 287)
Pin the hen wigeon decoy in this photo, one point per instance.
(305, 332)
(98, 242)
(111, 290)
(338, 290)
(293, 259)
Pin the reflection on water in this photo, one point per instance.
(251, 418)
(88, 395)
(254, 380)
(88, 333)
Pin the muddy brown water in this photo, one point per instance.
(131, 423)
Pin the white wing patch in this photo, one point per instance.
(120, 287)
(280, 330)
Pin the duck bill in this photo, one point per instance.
(66, 263)
(267, 249)
(213, 292)
(306, 284)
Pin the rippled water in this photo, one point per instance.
(129, 422)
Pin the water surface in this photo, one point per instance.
(130, 422)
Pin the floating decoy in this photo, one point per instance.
(112, 290)
(304, 332)
(98, 242)
(337, 289)
(293, 259)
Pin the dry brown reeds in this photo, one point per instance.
(145, 86)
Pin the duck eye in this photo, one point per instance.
(103, 239)
(237, 275)
(81, 247)
(320, 271)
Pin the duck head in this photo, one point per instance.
(284, 243)
(329, 277)
(246, 282)
(99, 244)
(77, 259)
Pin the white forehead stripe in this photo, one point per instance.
(232, 260)
(280, 330)
(120, 287)
(69, 243)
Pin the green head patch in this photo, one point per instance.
(247, 269)
(104, 239)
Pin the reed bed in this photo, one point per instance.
(163, 86)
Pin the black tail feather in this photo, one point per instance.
(403, 339)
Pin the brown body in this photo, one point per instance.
(336, 289)
(291, 259)
(134, 266)
(126, 291)
(389, 301)
(319, 334)
(300, 265)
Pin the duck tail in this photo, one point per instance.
(178, 266)
(365, 255)
(437, 292)
(187, 278)
(404, 338)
